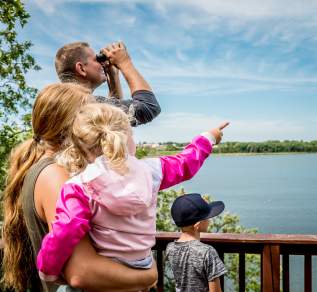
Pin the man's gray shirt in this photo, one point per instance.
(194, 264)
(141, 109)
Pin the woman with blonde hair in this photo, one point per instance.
(112, 194)
(33, 186)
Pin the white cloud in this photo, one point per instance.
(252, 9)
(253, 73)
(258, 22)
(40, 79)
(182, 127)
(49, 7)
(43, 50)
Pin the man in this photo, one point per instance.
(76, 62)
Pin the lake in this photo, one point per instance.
(275, 193)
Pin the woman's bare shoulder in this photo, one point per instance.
(47, 189)
(53, 172)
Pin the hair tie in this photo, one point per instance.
(36, 138)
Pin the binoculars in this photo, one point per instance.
(101, 58)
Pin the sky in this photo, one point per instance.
(250, 62)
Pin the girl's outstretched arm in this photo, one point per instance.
(183, 166)
(170, 170)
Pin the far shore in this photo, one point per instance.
(262, 153)
(238, 153)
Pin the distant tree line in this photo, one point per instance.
(235, 147)
(267, 147)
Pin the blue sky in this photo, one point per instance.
(251, 62)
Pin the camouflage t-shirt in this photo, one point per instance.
(141, 109)
(194, 264)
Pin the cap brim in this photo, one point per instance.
(217, 207)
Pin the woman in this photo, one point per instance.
(33, 185)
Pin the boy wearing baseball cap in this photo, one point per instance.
(196, 266)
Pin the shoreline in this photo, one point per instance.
(240, 153)
(263, 153)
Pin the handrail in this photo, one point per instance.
(269, 246)
(245, 238)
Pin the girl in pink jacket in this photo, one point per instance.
(112, 194)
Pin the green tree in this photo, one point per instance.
(15, 95)
(225, 223)
(171, 147)
(141, 152)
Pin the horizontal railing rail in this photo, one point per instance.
(271, 247)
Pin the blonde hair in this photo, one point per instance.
(98, 129)
(52, 117)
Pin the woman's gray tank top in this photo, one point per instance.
(36, 227)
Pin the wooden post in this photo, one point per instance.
(308, 274)
(285, 273)
(241, 272)
(160, 270)
(270, 279)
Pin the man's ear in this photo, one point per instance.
(80, 69)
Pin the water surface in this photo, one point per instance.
(275, 193)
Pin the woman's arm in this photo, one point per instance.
(101, 274)
(86, 269)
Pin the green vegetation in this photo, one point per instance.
(267, 147)
(225, 223)
(235, 147)
(15, 95)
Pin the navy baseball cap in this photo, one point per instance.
(189, 209)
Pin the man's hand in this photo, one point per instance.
(119, 57)
(117, 54)
(217, 132)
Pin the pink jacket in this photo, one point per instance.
(118, 211)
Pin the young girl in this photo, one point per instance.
(112, 194)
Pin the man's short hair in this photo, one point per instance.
(66, 59)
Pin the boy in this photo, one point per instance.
(196, 266)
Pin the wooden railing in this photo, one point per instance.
(271, 247)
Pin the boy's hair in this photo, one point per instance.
(98, 129)
(187, 228)
(66, 59)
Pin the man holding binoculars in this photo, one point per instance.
(77, 62)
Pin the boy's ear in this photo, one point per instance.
(196, 226)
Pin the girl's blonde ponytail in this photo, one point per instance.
(114, 147)
(98, 129)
